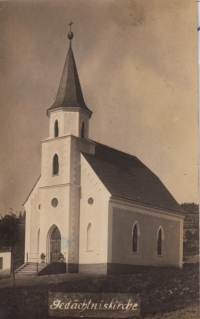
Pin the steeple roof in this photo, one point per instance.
(69, 91)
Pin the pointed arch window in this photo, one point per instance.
(159, 242)
(83, 130)
(89, 237)
(55, 165)
(38, 240)
(135, 239)
(56, 129)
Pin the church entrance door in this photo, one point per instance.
(55, 245)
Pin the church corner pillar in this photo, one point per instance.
(74, 221)
(110, 229)
(74, 207)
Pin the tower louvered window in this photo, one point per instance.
(83, 130)
(56, 129)
(38, 241)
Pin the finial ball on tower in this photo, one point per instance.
(70, 35)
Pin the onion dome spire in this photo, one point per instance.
(69, 92)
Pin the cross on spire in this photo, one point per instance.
(70, 34)
(70, 24)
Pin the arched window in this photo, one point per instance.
(38, 240)
(89, 236)
(135, 239)
(83, 130)
(159, 242)
(56, 129)
(55, 165)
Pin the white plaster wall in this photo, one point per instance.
(58, 216)
(32, 222)
(35, 225)
(27, 249)
(44, 219)
(124, 215)
(96, 214)
(61, 147)
(69, 123)
(6, 263)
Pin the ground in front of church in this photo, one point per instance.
(165, 293)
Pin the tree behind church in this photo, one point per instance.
(190, 208)
(9, 235)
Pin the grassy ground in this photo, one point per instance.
(162, 291)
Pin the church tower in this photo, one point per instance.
(59, 185)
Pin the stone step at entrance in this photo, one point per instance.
(30, 268)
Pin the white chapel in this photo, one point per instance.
(94, 208)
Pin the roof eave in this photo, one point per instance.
(31, 191)
(69, 109)
(147, 205)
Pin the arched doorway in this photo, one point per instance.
(55, 244)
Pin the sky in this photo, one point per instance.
(137, 64)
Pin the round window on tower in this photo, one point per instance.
(90, 201)
(54, 202)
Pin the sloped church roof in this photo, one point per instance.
(126, 177)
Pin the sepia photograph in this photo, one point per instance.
(99, 207)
